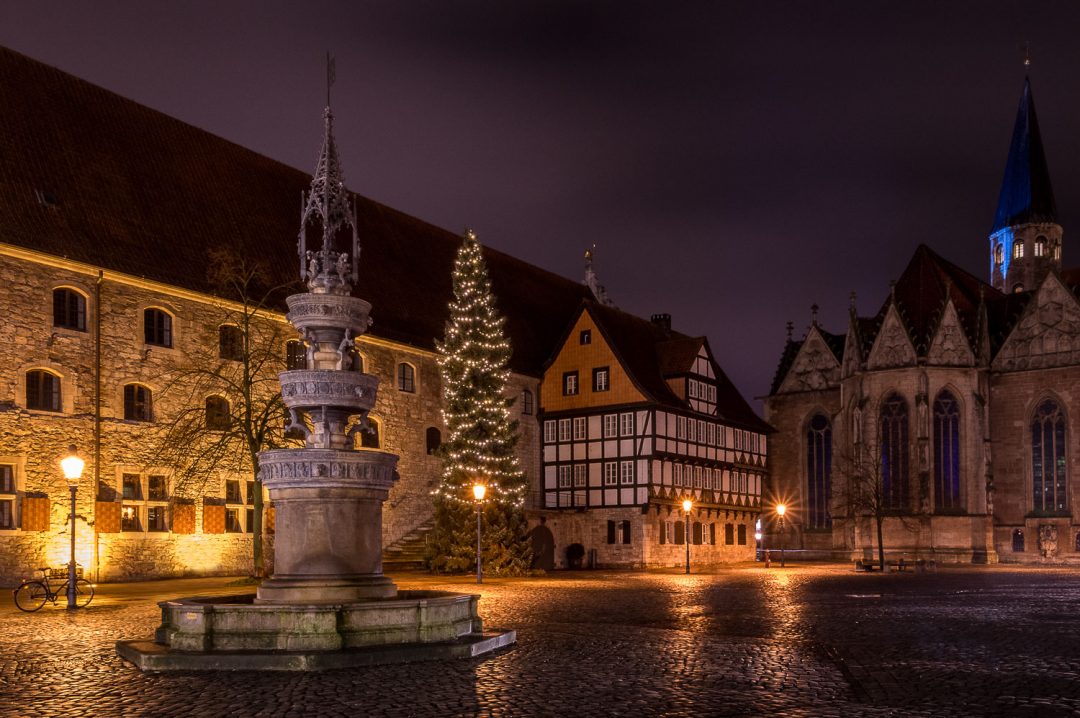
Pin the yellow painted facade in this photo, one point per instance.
(583, 358)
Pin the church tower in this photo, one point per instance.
(1025, 242)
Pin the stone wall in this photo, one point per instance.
(34, 441)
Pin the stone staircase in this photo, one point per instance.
(408, 551)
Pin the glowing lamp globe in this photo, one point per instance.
(72, 466)
(687, 504)
(478, 491)
(781, 509)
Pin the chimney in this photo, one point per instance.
(663, 321)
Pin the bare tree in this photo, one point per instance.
(864, 492)
(228, 402)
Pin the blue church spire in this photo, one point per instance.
(1026, 195)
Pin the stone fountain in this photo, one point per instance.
(327, 604)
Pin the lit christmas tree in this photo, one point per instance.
(481, 437)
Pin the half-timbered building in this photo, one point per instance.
(636, 418)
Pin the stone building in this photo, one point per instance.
(108, 214)
(956, 400)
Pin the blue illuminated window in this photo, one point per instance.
(894, 452)
(946, 452)
(818, 472)
(1048, 458)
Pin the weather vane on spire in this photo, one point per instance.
(1027, 55)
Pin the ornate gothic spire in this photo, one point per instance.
(326, 207)
(1026, 194)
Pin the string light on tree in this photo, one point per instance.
(481, 436)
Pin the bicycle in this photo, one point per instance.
(33, 593)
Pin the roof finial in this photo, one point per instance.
(593, 282)
(1027, 56)
(331, 75)
(851, 300)
(892, 290)
(790, 329)
(813, 314)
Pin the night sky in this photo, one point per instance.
(733, 162)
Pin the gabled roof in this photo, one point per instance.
(136, 191)
(921, 293)
(649, 353)
(1026, 194)
(835, 343)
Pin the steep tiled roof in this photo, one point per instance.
(136, 191)
(650, 352)
(922, 290)
(1026, 194)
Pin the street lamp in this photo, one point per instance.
(478, 491)
(780, 511)
(72, 466)
(687, 504)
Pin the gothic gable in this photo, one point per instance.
(950, 345)
(892, 347)
(1048, 333)
(852, 352)
(815, 366)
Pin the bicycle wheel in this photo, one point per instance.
(84, 592)
(30, 596)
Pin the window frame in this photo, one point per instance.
(527, 402)
(81, 303)
(406, 377)
(570, 383)
(601, 378)
(158, 333)
(139, 406)
(55, 404)
(223, 418)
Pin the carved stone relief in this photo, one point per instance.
(1048, 540)
(1048, 335)
(950, 346)
(892, 348)
(814, 368)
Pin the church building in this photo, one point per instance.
(950, 412)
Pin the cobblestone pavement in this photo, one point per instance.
(801, 641)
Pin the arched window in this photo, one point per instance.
(406, 377)
(818, 472)
(138, 403)
(527, 402)
(946, 452)
(42, 390)
(1048, 458)
(370, 439)
(230, 342)
(894, 452)
(1040, 246)
(295, 355)
(1018, 250)
(157, 327)
(69, 309)
(218, 416)
(433, 439)
(999, 254)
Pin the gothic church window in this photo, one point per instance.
(818, 472)
(69, 309)
(157, 327)
(946, 452)
(999, 254)
(138, 403)
(894, 452)
(1048, 436)
(42, 390)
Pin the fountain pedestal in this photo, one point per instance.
(328, 506)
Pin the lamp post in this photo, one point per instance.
(72, 466)
(687, 504)
(478, 490)
(780, 511)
